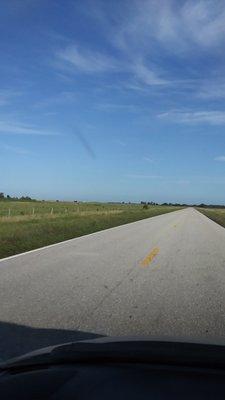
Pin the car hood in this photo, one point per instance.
(123, 349)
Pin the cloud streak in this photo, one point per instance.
(9, 128)
(85, 60)
(143, 31)
(16, 150)
(60, 98)
(76, 59)
(148, 159)
(173, 24)
(147, 76)
(142, 176)
(220, 158)
(111, 107)
(214, 89)
(120, 142)
(194, 117)
(6, 96)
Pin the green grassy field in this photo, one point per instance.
(216, 214)
(28, 225)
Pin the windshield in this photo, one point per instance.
(112, 150)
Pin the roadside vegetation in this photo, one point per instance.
(26, 225)
(216, 214)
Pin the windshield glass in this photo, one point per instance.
(112, 151)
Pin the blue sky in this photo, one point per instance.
(113, 100)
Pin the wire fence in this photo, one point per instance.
(15, 209)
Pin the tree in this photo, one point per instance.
(25, 198)
(2, 195)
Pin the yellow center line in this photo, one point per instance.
(148, 259)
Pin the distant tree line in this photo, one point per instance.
(201, 205)
(4, 197)
(149, 203)
(145, 204)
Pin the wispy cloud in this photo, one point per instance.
(142, 176)
(148, 159)
(84, 60)
(16, 150)
(149, 28)
(146, 75)
(58, 99)
(174, 24)
(6, 96)
(74, 58)
(9, 128)
(162, 179)
(111, 107)
(120, 142)
(182, 182)
(194, 117)
(205, 21)
(214, 89)
(220, 158)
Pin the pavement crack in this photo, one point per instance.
(109, 293)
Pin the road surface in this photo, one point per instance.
(160, 276)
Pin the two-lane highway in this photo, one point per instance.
(160, 276)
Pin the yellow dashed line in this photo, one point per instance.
(148, 259)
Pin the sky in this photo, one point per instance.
(113, 100)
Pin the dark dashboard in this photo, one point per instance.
(117, 369)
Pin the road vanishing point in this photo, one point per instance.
(163, 276)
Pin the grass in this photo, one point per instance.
(216, 214)
(28, 225)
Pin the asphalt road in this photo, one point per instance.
(162, 276)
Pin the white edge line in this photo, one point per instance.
(80, 237)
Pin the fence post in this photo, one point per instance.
(33, 211)
(52, 210)
(9, 212)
